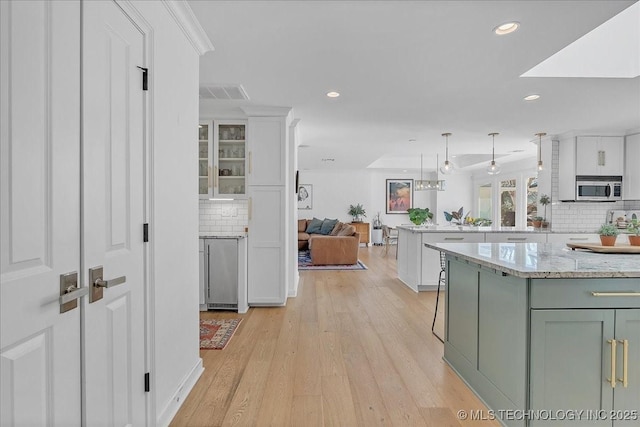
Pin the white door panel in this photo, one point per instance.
(39, 211)
(113, 196)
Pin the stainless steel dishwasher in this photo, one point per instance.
(221, 266)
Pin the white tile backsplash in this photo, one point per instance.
(579, 216)
(224, 217)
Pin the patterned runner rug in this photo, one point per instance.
(216, 333)
(304, 263)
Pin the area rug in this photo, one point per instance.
(304, 263)
(216, 333)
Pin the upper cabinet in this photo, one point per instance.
(267, 155)
(631, 181)
(222, 159)
(600, 155)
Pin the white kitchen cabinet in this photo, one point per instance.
(267, 279)
(267, 150)
(631, 181)
(599, 155)
(527, 237)
(572, 238)
(430, 258)
(222, 159)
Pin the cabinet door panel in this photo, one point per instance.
(267, 142)
(502, 332)
(571, 361)
(462, 310)
(587, 155)
(613, 147)
(628, 328)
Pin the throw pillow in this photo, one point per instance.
(302, 225)
(349, 230)
(327, 226)
(337, 228)
(314, 226)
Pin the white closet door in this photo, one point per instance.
(113, 215)
(39, 211)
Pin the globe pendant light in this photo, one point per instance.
(540, 135)
(493, 168)
(447, 167)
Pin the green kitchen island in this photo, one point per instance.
(544, 335)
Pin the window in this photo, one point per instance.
(485, 202)
(508, 207)
(532, 199)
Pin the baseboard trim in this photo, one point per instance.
(178, 398)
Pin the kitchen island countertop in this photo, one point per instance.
(543, 260)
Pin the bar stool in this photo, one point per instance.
(441, 281)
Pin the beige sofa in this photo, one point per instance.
(330, 249)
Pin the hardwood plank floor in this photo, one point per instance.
(354, 348)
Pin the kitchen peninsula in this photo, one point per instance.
(419, 266)
(539, 328)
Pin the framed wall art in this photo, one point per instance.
(305, 196)
(399, 195)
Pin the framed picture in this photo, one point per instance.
(399, 195)
(305, 196)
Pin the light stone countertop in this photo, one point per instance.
(543, 260)
(469, 229)
(213, 235)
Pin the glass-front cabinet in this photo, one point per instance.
(205, 160)
(226, 159)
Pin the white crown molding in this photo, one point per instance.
(266, 111)
(187, 21)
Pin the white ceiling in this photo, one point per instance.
(413, 70)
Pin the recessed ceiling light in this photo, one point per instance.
(333, 94)
(404, 170)
(506, 28)
(531, 97)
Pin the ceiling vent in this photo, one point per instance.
(223, 92)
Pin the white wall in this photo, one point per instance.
(173, 92)
(334, 191)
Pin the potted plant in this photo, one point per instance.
(357, 212)
(537, 221)
(634, 229)
(608, 234)
(544, 201)
(419, 216)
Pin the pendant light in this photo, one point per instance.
(428, 184)
(493, 168)
(540, 135)
(447, 167)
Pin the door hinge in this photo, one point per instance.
(145, 76)
(145, 232)
(147, 382)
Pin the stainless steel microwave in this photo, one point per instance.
(598, 188)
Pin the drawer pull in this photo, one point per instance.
(612, 380)
(516, 239)
(575, 239)
(454, 238)
(615, 294)
(625, 357)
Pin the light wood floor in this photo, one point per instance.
(354, 348)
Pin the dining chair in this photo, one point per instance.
(389, 237)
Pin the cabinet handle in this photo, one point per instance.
(250, 206)
(454, 238)
(615, 294)
(215, 176)
(210, 178)
(250, 162)
(612, 380)
(625, 358)
(578, 238)
(516, 239)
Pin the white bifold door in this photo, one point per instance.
(72, 212)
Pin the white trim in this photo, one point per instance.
(189, 24)
(181, 393)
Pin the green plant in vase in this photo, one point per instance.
(357, 212)
(634, 229)
(608, 234)
(419, 216)
(544, 201)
